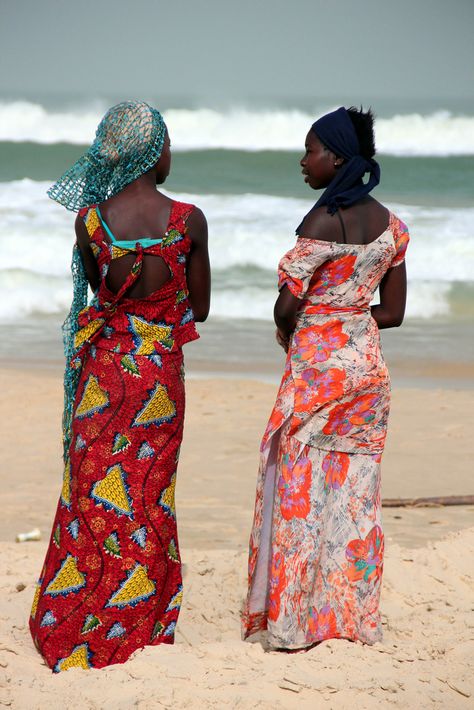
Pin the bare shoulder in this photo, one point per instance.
(319, 224)
(81, 230)
(376, 208)
(197, 225)
(373, 216)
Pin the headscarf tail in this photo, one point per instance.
(69, 330)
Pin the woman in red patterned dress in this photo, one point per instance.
(111, 581)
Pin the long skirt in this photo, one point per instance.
(316, 548)
(111, 581)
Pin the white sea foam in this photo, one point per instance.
(25, 293)
(426, 299)
(440, 133)
(248, 235)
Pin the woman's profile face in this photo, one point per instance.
(317, 163)
(163, 166)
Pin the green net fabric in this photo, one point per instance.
(128, 143)
(70, 327)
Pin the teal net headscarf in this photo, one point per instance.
(128, 142)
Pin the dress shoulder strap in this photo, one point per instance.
(344, 236)
(180, 212)
(91, 220)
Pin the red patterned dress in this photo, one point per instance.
(111, 580)
(316, 548)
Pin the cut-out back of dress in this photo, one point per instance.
(155, 272)
(158, 319)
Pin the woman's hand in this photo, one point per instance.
(282, 340)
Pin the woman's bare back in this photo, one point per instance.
(360, 223)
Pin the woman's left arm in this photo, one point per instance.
(284, 314)
(390, 311)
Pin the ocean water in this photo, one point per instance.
(241, 167)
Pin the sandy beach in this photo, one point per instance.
(425, 659)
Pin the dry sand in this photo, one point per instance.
(428, 598)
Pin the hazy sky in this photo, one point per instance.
(222, 50)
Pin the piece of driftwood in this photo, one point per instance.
(431, 502)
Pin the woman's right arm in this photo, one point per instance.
(90, 263)
(198, 272)
(393, 295)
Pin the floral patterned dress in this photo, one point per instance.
(111, 580)
(316, 547)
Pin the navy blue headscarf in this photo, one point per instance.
(336, 131)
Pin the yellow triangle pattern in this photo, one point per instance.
(87, 332)
(66, 489)
(68, 578)
(137, 587)
(167, 499)
(176, 601)
(112, 491)
(159, 408)
(36, 599)
(116, 252)
(79, 658)
(147, 334)
(93, 400)
(92, 222)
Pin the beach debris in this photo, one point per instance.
(457, 689)
(205, 570)
(290, 685)
(389, 688)
(34, 534)
(20, 587)
(429, 502)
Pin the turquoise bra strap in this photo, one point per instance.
(105, 225)
(127, 244)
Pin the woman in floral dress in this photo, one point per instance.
(111, 580)
(316, 547)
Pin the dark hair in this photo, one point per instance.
(363, 123)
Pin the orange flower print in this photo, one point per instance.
(314, 387)
(316, 343)
(277, 584)
(365, 557)
(335, 466)
(293, 487)
(274, 423)
(321, 625)
(359, 411)
(294, 284)
(334, 273)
